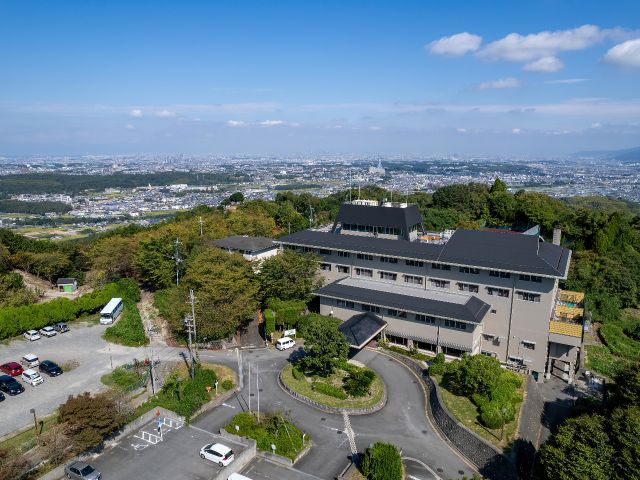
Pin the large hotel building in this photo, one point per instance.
(477, 291)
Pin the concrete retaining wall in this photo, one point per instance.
(242, 459)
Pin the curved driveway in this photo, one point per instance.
(401, 422)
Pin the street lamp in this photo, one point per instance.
(35, 422)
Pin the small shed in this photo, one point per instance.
(67, 285)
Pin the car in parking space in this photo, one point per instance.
(12, 368)
(1, 396)
(10, 385)
(30, 360)
(217, 453)
(31, 377)
(48, 332)
(81, 471)
(285, 342)
(61, 327)
(32, 335)
(50, 368)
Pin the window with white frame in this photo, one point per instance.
(344, 254)
(529, 297)
(388, 260)
(425, 318)
(499, 274)
(342, 268)
(468, 287)
(530, 278)
(413, 279)
(364, 272)
(414, 263)
(498, 292)
(370, 308)
(365, 256)
(454, 324)
(388, 276)
(325, 266)
(440, 283)
(345, 304)
(440, 266)
(474, 271)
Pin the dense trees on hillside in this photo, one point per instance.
(37, 208)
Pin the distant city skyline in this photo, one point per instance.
(535, 78)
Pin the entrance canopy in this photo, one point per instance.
(362, 328)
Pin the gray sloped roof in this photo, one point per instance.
(440, 304)
(476, 248)
(361, 328)
(245, 243)
(66, 281)
(396, 217)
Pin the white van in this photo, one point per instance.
(237, 476)
(30, 360)
(285, 342)
(32, 377)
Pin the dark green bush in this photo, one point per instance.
(269, 321)
(306, 320)
(227, 384)
(382, 462)
(128, 330)
(330, 390)
(357, 384)
(297, 374)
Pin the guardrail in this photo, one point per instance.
(489, 461)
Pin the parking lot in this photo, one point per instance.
(261, 469)
(141, 455)
(82, 344)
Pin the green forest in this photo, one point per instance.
(36, 208)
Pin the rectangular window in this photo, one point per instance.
(414, 263)
(325, 266)
(344, 254)
(364, 272)
(528, 297)
(425, 318)
(370, 308)
(396, 313)
(309, 250)
(388, 276)
(324, 251)
(342, 268)
(531, 278)
(440, 266)
(499, 274)
(454, 324)
(413, 279)
(365, 256)
(474, 271)
(498, 292)
(528, 344)
(439, 283)
(345, 304)
(468, 287)
(388, 260)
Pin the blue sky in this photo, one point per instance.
(427, 77)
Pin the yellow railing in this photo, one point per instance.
(569, 296)
(564, 328)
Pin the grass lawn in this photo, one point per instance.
(123, 378)
(26, 440)
(303, 387)
(270, 430)
(465, 411)
(222, 372)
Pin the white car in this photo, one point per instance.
(32, 335)
(48, 332)
(30, 360)
(32, 377)
(285, 342)
(217, 453)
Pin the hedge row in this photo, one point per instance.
(16, 320)
(128, 330)
(330, 390)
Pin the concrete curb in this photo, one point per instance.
(334, 410)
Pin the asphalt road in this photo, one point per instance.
(84, 344)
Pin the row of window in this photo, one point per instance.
(371, 229)
(528, 297)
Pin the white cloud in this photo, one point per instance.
(165, 114)
(566, 81)
(455, 45)
(271, 123)
(544, 64)
(235, 123)
(596, 125)
(128, 126)
(626, 54)
(508, 82)
(461, 130)
(375, 128)
(516, 131)
(136, 112)
(525, 48)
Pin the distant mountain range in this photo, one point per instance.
(625, 155)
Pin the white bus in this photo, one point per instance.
(111, 311)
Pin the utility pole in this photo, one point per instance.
(178, 259)
(201, 222)
(310, 216)
(192, 301)
(249, 366)
(258, 389)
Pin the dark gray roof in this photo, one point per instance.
(476, 248)
(361, 328)
(473, 310)
(397, 217)
(66, 281)
(245, 243)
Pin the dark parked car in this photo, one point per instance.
(81, 471)
(61, 327)
(1, 396)
(10, 385)
(50, 368)
(12, 368)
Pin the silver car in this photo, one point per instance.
(81, 471)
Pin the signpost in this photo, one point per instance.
(290, 333)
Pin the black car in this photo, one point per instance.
(61, 327)
(1, 396)
(10, 385)
(50, 368)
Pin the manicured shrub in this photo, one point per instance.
(227, 384)
(329, 390)
(305, 322)
(382, 462)
(357, 384)
(297, 374)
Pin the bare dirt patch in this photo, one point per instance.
(46, 291)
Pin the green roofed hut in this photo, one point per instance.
(67, 285)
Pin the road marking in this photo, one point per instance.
(202, 430)
(227, 405)
(349, 431)
(427, 467)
